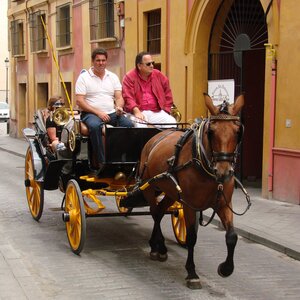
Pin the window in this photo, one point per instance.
(63, 21)
(101, 19)
(17, 37)
(37, 33)
(153, 31)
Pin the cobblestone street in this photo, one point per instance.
(36, 261)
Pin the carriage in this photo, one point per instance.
(68, 171)
(181, 172)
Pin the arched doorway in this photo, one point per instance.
(236, 51)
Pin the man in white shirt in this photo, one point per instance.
(99, 96)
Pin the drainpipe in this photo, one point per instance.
(272, 54)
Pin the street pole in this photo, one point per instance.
(6, 65)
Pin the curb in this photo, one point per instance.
(260, 239)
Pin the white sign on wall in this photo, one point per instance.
(221, 90)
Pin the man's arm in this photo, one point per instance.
(128, 93)
(168, 95)
(129, 98)
(119, 102)
(84, 106)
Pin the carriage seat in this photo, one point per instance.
(42, 115)
(84, 130)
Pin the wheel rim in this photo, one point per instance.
(179, 227)
(34, 190)
(76, 225)
(72, 140)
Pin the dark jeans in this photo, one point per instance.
(95, 125)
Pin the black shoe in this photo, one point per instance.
(97, 172)
(100, 169)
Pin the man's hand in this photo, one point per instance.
(138, 114)
(103, 116)
(119, 110)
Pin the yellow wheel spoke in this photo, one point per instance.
(76, 225)
(179, 227)
(34, 192)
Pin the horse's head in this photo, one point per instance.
(224, 133)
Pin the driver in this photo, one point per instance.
(99, 96)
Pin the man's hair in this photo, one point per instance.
(139, 57)
(98, 51)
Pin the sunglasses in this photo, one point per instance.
(148, 64)
(58, 104)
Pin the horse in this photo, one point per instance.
(196, 168)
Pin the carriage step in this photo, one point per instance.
(134, 200)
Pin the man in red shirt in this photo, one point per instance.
(147, 94)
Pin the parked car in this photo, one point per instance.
(4, 112)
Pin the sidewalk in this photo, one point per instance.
(271, 223)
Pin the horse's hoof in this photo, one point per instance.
(154, 255)
(193, 284)
(224, 271)
(162, 257)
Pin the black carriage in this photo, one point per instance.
(68, 170)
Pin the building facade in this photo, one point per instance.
(254, 42)
(4, 61)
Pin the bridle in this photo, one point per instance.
(200, 154)
(225, 156)
(200, 159)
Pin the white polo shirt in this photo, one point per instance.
(98, 92)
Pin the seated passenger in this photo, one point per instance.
(99, 96)
(54, 130)
(147, 93)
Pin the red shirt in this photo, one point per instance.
(149, 101)
(133, 94)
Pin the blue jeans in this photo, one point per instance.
(95, 125)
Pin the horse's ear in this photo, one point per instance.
(209, 104)
(239, 103)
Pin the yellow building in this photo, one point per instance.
(192, 41)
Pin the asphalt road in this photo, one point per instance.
(36, 261)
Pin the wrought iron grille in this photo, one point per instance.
(154, 31)
(17, 37)
(101, 19)
(63, 28)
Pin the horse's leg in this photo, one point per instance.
(192, 280)
(226, 268)
(157, 240)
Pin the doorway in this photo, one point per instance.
(22, 108)
(236, 51)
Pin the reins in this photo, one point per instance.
(159, 126)
(199, 159)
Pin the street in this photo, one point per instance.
(36, 261)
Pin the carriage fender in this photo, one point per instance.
(37, 157)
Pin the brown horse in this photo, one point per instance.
(195, 167)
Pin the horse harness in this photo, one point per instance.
(200, 159)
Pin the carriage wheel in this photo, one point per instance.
(34, 189)
(72, 141)
(120, 208)
(74, 217)
(179, 228)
